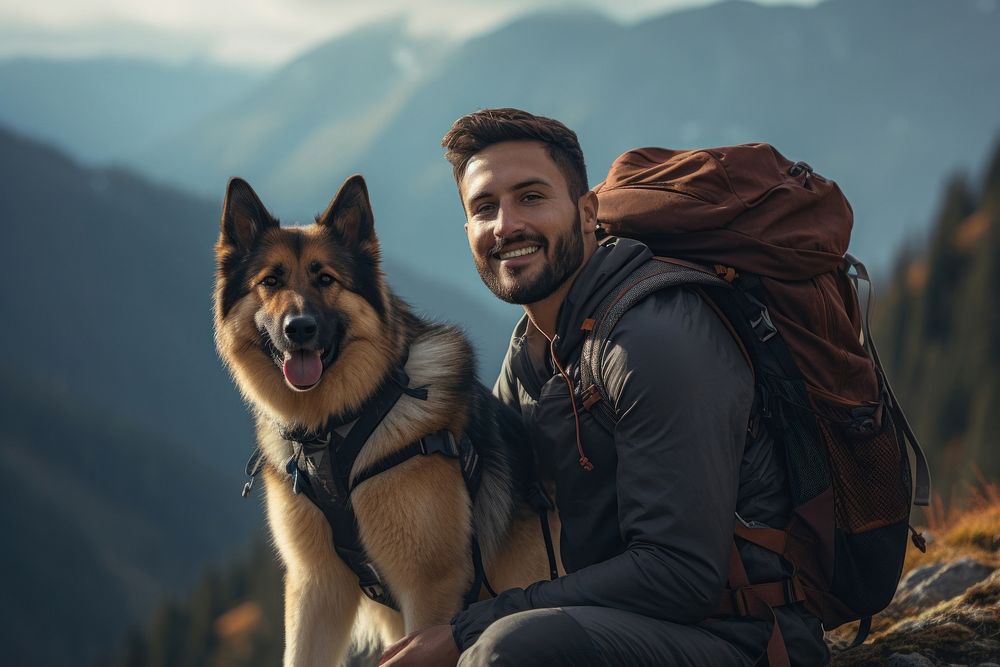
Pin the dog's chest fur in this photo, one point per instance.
(438, 361)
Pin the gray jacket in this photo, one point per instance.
(650, 528)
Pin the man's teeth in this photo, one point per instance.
(520, 252)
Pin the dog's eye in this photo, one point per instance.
(269, 281)
(325, 279)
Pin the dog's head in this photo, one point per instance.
(291, 304)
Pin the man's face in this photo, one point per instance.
(525, 229)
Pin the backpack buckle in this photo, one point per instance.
(762, 325)
(760, 319)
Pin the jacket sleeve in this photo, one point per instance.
(683, 394)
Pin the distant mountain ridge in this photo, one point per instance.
(887, 97)
(122, 440)
(103, 109)
(120, 271)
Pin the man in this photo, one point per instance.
(647, 510)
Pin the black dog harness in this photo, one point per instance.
(320, 467)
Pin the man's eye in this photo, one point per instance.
(531, 196)
(269, 281)
(325, 279)
(483, 209)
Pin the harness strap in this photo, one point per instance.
(478, 575)
(442, 442)
(321, 465)
(372, 415)
(305, 467)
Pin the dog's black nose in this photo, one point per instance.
(300, 329)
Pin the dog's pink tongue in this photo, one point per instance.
(303, 368)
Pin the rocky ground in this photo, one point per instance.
(947, 608)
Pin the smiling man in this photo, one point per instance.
(647, 507)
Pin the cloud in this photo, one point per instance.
(256, 33)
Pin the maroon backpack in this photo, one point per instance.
(765, 240)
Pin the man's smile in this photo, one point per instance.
(519, 252)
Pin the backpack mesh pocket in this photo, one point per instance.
(870, 474)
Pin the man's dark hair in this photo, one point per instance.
(475, 131)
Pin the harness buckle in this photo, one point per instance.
(371, 585)
(441, 442)
(375, 592)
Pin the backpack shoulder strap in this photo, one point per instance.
(657, 274)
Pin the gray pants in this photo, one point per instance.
(585, 636)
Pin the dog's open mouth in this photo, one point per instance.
(302, 368)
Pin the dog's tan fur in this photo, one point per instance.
(415, 520)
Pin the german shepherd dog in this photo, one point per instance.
(309, 329)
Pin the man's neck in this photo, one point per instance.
(544, 314)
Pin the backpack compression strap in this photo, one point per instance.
(922, 475)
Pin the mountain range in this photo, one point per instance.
(102, 109)
(122, 440)
(887, 97)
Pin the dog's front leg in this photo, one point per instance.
(416, 525)
(319, 614)
(321, 593)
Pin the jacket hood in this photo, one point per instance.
(604, 271)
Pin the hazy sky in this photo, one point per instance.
(261, 32)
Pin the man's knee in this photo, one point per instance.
(543, 637)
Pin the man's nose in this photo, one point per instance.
(507, 223)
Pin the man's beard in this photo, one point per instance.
(566, 258)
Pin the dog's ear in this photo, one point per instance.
(244, 217)
(349, 216)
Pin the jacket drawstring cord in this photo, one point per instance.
(584, 461)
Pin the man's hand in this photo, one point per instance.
(430, 647)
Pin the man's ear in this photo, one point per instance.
(349, 216)
(244, 217)
(588, 206)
